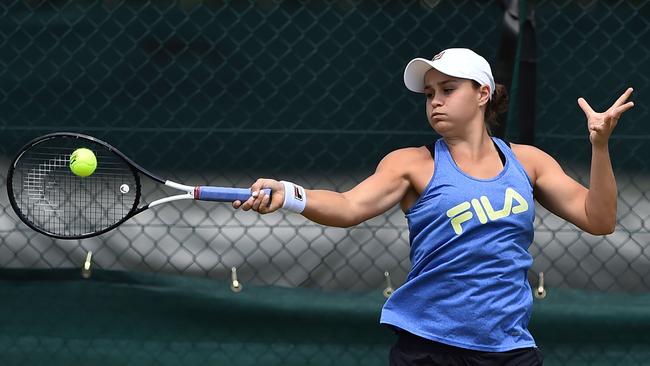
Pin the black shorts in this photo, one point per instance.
(411, 350)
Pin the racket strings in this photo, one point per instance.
(38, 186)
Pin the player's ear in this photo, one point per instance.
(483, 95)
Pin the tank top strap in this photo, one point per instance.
(506, 148)
(503, 146)
(442, 152)
(432, 149)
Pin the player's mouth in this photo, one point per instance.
(438, 116)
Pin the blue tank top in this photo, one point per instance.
(469, 237)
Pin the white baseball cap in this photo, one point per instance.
(457, 62)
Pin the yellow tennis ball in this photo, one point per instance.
(83, 162)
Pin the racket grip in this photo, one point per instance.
(223, 194)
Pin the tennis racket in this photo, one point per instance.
(51, 199)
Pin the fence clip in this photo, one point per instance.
(540, 292)
(86, 270)
(389, 286)
(235, 285)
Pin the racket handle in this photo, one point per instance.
(222, 194)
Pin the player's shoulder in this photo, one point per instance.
(528, 151)
(408, 154)
(406, 157)
(532, 157)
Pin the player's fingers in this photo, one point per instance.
(623, 108)
(610, 119)
(258, 200)
(266, 200)
(585, 106)
(598, 128)
(248, 204)
(255, 188)
(236, 204)
(623, 97)
(261, 184)
(275, 188)
(265, 204)
(614, 115)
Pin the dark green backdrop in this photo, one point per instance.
(295, 90)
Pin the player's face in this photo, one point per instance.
(452, 103)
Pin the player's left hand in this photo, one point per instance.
(602, 124)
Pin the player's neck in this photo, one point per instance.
(473, 145)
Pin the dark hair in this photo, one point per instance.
(495, 106)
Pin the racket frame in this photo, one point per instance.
(133, 166)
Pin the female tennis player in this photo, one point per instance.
(468, 199)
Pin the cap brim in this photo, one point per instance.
(414, 74)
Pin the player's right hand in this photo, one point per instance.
(261, 202)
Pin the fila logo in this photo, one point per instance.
(296, 193)
(484, 211)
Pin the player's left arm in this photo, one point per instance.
(592, 209)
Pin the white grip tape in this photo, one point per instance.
(295, 198)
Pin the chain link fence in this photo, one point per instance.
(596, 50)
(218, 92)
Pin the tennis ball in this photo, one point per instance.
(83, 162)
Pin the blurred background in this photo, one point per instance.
(223, 92)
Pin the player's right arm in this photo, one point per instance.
(372, 197)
